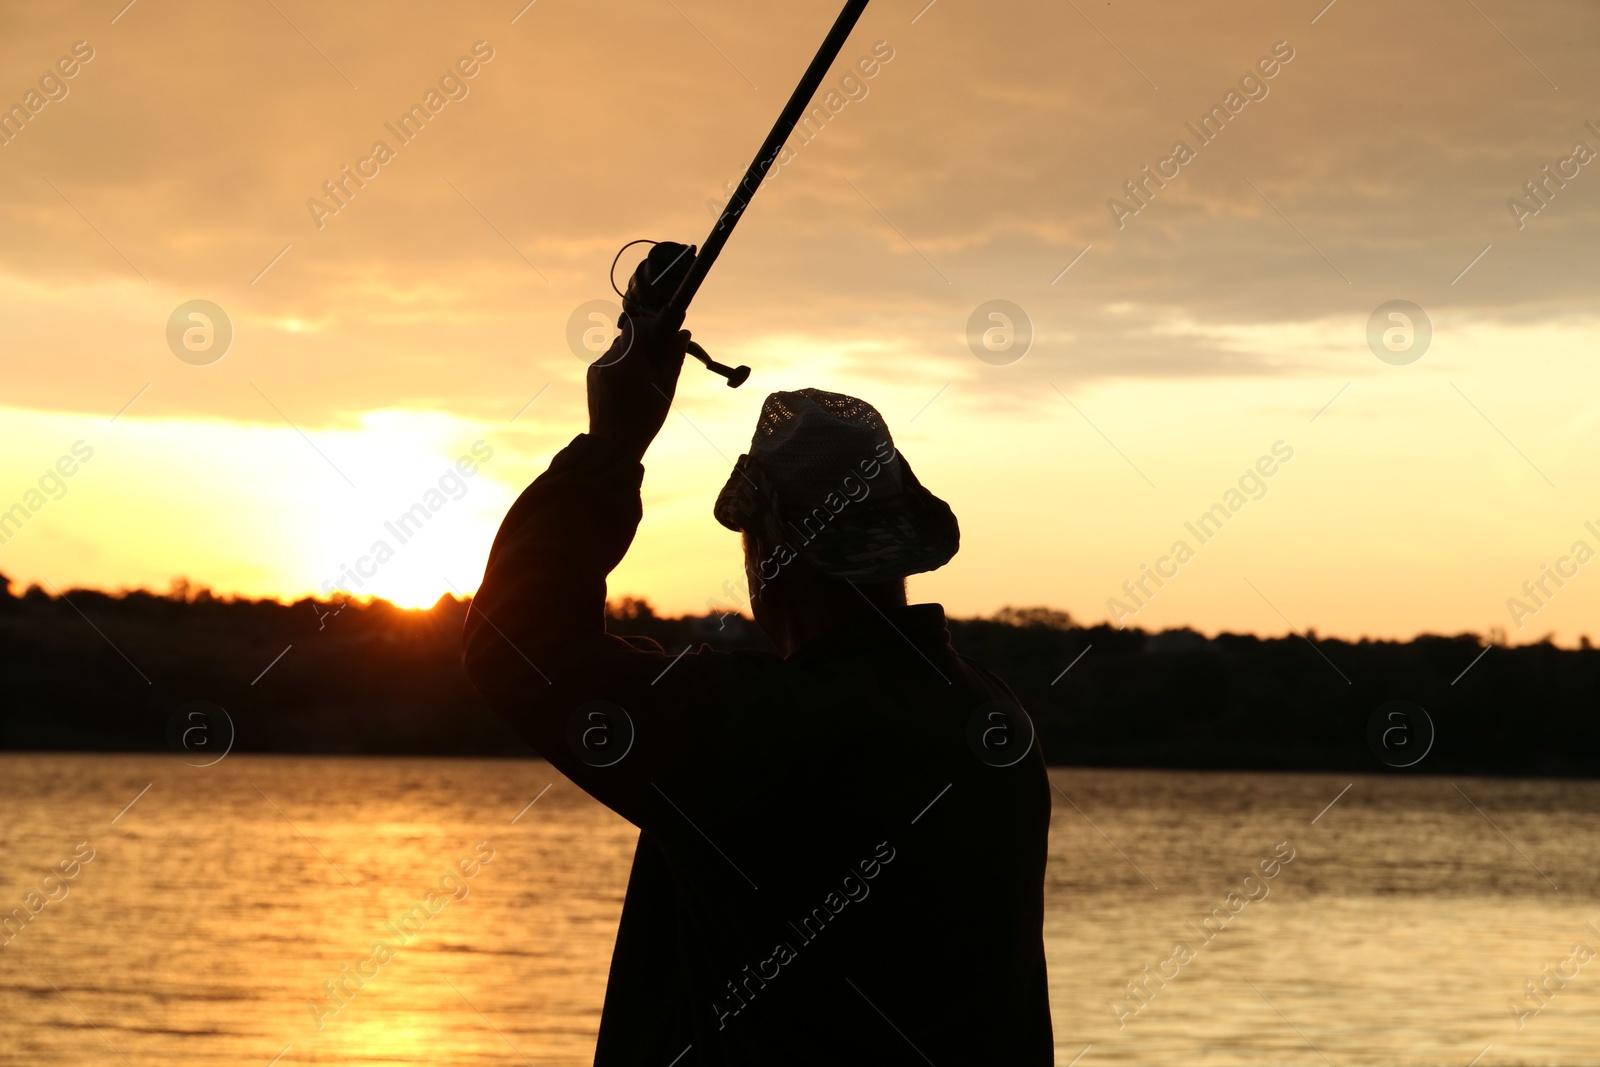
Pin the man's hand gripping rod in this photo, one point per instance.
(677, 269)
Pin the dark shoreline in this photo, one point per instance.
(374, 679)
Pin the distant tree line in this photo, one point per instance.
(91, 670)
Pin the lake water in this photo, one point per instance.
(217, 905)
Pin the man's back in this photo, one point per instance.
(854, 883)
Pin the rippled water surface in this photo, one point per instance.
(219, 901)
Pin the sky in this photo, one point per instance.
(1158, 352)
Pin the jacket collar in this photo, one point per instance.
(923, 625)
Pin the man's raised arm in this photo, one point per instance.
(535, 641)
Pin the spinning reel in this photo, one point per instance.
(651, 288)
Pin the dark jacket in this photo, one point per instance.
(833, 864)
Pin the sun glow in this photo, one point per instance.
(403, 506)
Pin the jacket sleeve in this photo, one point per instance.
(665, 738)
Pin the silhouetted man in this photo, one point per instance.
(841, 852)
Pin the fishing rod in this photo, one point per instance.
(668, 278)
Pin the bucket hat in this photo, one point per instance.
(823, 476)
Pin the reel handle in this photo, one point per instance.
(735, 375)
